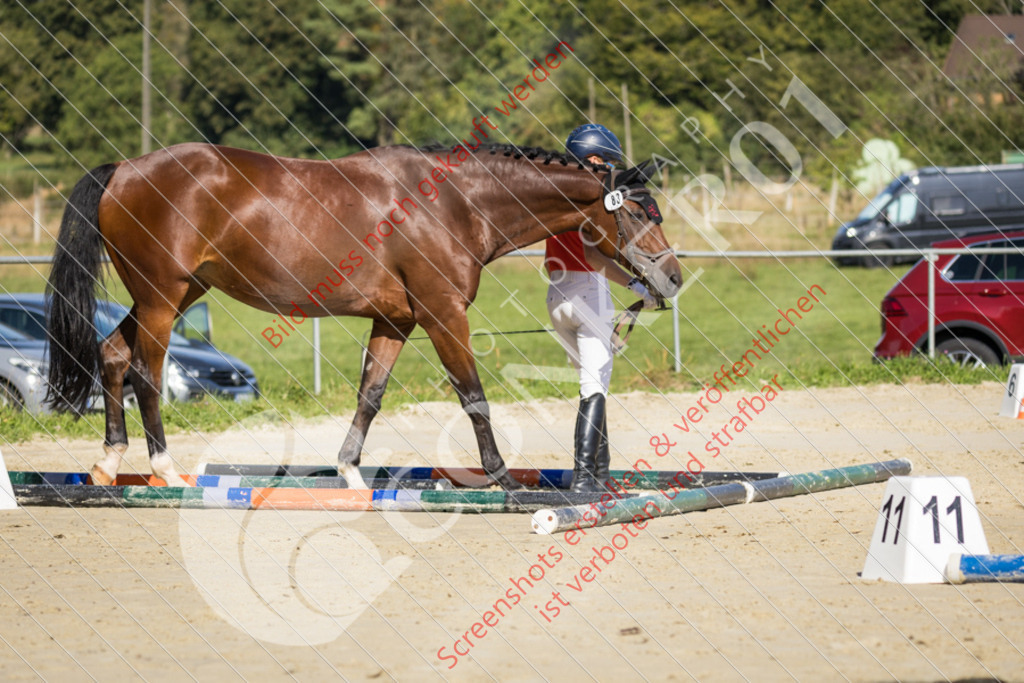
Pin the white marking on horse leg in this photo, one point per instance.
(163, 467)
(352, 475)
(105, 470)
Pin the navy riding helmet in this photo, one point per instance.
(593, 138)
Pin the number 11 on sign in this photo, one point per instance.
(922, 521)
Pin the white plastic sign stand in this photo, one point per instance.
(7, 499)
(922, 521)
(1014, 394)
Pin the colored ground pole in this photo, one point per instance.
(678, 502)
(827, 480)
(260, 498)
(985, 568)
(474, 477)
(233, 481)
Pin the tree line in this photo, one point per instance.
(331, 77)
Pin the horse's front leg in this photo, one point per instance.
(451, 340)
(386, 342)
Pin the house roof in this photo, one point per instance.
(983, 42)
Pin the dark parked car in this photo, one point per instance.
(194, 367)
(932, 204)
(979, 305)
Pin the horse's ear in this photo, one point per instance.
(627, 177)
(659, 162)
(638, 175)
(646, 171)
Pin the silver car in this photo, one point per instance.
(22, 371)
(194, 367)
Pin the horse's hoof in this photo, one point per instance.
(173, 480)
(353, 478)
(163, 468)
(100, 478)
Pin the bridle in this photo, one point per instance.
(614, 201)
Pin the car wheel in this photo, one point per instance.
(10, 398)
(968, 353)
(873, 261)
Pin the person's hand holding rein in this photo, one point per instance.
(638, 288)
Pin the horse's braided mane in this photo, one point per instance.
(517, 152)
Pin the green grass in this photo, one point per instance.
(830, 346)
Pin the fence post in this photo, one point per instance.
(626, 129)
(677, 362)
(37, 212)
(931, 257)
(316, 356)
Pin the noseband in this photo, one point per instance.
(614, 201)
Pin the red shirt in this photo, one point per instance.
(565, 252)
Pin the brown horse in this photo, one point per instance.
(402, 234)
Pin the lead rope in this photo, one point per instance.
(628, 315)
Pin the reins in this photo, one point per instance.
(494, 334)
(630, 313)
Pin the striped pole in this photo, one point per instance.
(677, 502)
(475, 477)
(226, 481)
(985, 568)
(330, 499)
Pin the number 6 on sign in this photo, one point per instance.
(922, 521)
(1014, 394)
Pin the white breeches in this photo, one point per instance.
(580, 305)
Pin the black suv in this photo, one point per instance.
(933, 204)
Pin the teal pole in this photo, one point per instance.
(677, 502)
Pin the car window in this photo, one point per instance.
(1008, 196)
(949, 205)
(1013, 268)
(874, 206)
(964, 268)
(1003, 266)
(27, 322)
(105, 324)
(9, 334)
(902, 209)
(32, 323)
(109, 315)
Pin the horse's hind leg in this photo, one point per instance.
(386, 342)
(115, 357)
(153, 334)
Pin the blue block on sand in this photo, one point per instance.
(985, 568)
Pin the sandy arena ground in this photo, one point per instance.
(767, 591)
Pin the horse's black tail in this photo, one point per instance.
(74, 276)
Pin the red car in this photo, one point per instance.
(979, 304)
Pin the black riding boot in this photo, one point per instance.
(588, 445)
(604, 457)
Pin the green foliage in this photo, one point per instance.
(329, 78)
(103, 119)
(257, 79)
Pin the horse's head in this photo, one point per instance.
(634, 236)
